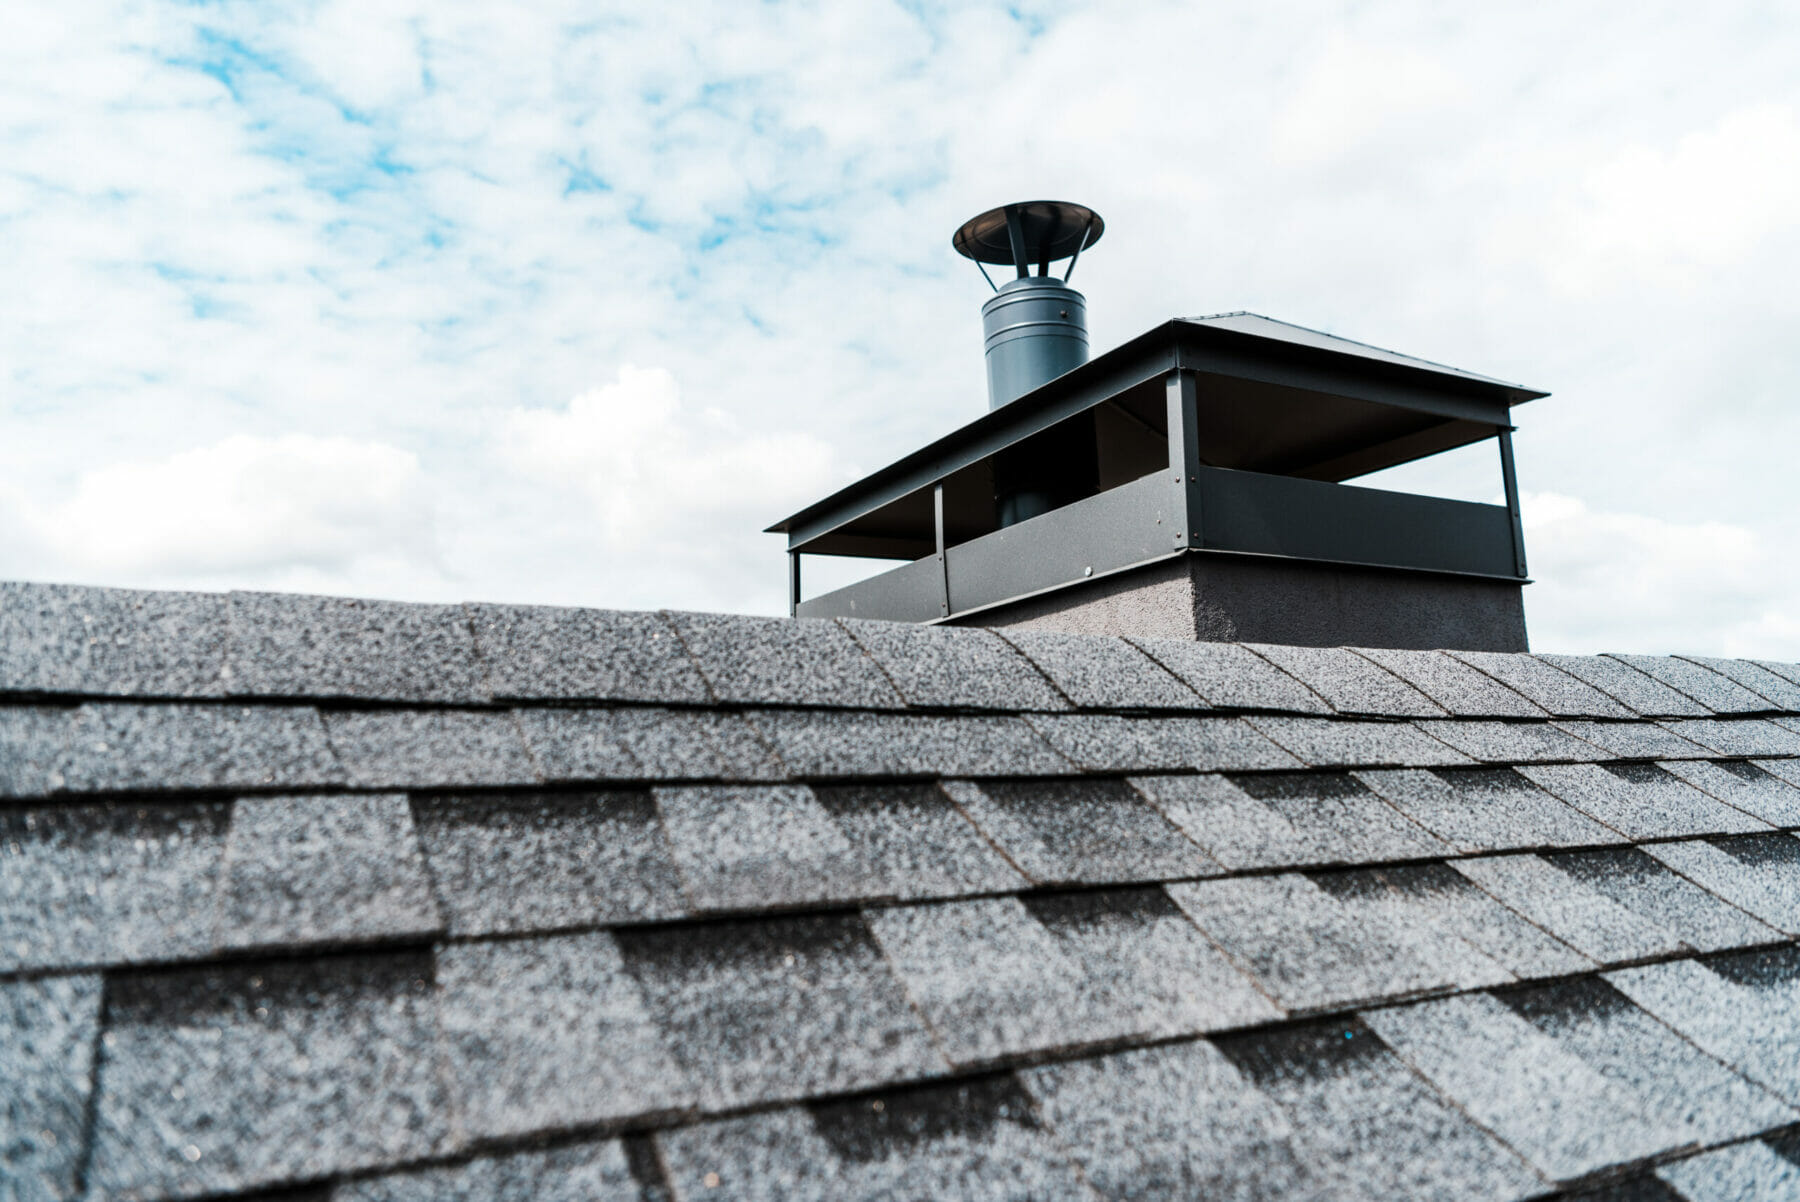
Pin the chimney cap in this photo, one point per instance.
(1048, 230)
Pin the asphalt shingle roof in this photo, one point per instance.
(369, 901)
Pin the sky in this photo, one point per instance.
(566, 302)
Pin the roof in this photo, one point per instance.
(367, 901)
(1243, 321)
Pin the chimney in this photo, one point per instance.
(1190, 483)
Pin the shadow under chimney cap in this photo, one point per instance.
(1050, 229)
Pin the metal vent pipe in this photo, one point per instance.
(1036, 329)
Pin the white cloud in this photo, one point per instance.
(1357, 93)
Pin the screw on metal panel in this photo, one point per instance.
(1087, 571)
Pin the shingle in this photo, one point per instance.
(1749, 787)
(47, 1030)
(1228, 676)
(541, 861)
(1787, 770)
(969, 1139)
(991, 980)
(226, 1078)
(591, 1172)
(106, 642)
(1647, 887)
(918, 840)
(1486, 809)
(1510, 742)
(1781, 692)
(1453, 684)
(108, 884)
(1582, 917)
(549, 1034)
(1336, 743)
(32, 741)
(285, 645)
(1565, 1116)
(1366, 1126)
(1113, 743)
(1640, 801)
(1747, 737)
(323, 870)
(1177, 1121)
(1286, 819)
(750, 847)
(1350, 683)
(1082, 831)
(783, 661)
(1738, 1007)
(1153, 973)
(1759, 874)
(823, 744)
(552, 653)
(422, 749)
(1716, 693)
(1305, 949)
(779, 1008)
(954, 667)
(1096, 672)
(1625, 684)
(116, 747)
(1546, 686)
(644, 743)
(1633, 740)
(1746, 1172)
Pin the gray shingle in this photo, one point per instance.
(323, 870)
(1232, 677)
(1350, 683)
(1788, 672)
(227, 1078)
(1716, 693)
(593, 1172)
(1641, 801)
(1647, 887)
(107, 884)
(1305, 949)
(823, 744)
(551, 653)
(1546, 686)
(107, 642)
(285, 645)
(1759, 874)
(118, 747)
(1747, 737)
(644, 743)
(1749, 787)
(1566, 1116)
(1633, 740)
(1739, 1007)
(970, 1139)
(1084, 831)
(1103, 673)
(548, 1034)
(1584, 918)
(918, 840)
(47, 1030)
(542, 861)
(1366, 1126)
(33, 739)
(1781, 692)
(1486, 809)
(783, 661)
(1787, 770)
(1453, 684)
(954, 667)
(1177, 1121)
(1113, 743)
(779, 1008)
(1625, 684)
(423, 749)
(1287, 819)
(1746, 1172)
(1335, 743)
(1510, 742)
(748, 847)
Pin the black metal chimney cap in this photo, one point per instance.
(1050, 229)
